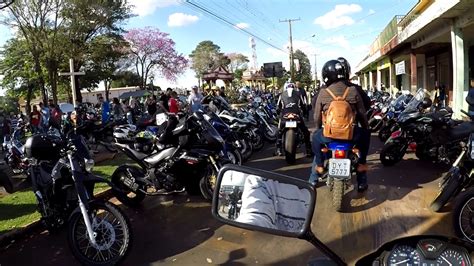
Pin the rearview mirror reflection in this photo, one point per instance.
(264, 201)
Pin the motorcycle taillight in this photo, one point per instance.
(339, 154)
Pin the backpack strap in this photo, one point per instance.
(346, 92)
(331, 94)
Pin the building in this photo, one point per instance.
(93, 96)
(431, 46)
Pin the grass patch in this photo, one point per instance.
(19, 209)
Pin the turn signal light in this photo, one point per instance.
(340, 154)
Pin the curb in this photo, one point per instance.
(20, 233)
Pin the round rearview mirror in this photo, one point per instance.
(263, 201)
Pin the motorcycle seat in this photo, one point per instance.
(139, 155)
(461, 131)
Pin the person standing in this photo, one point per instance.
(105, 109)
(35, 120)
(173, 103)
(194, 100)
(304, 96)
(117, 109)
(151, 105)
(45, 115)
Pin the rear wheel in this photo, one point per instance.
(463, 216)
(290, 146)
(447, 190)
(6, 174)
(337, 194)
(392, 153)
(122, 192)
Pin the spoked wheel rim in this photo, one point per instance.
(110, 236)
(466, 220)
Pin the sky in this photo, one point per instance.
(326, 28)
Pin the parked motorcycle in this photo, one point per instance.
(284, 206)
(13, 152)
(292, 136)
(463, 215)
(391, 115)
(459, 177)
(62, 181)
(435, 134)
(188, 161)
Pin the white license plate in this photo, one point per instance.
(340, 168)
(290, 124)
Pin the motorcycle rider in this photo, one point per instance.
(291, 101)
(335, 76)
(304, 96)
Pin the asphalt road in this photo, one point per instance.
(181, 230)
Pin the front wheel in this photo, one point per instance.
(392, 153)
(337, 194)
(447, 190)
(386, 130)
(234, 156)
(290, 146)
(112, 235)
(121, 191)
(463, 216)
(207, 184)
(270, 134)
(375, 124)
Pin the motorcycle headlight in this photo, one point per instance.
(89, 164)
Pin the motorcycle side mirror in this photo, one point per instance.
(268, 202)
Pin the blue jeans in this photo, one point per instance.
(361, 139)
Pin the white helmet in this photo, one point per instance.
(125, 132)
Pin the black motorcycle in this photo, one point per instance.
(189, 161)
(96, 133)
(460, 176)
(60, 168)
(292, 136)
(436, 135)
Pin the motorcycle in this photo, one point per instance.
(97, 133)
(281, 205)
(389, 124)
(188, 161)
(292, 136)
(435, 134)
(14, 155)
(459, 177)
(463, 216)
(340, 164)
(62, 181)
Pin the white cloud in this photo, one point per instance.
(147, 7)
(340, 41)
(181, 19)
(371, 12)
(242, 25)
(338, 16)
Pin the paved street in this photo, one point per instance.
(180, 229)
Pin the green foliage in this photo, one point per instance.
(207, 57)
(126, 78)
(304, 73)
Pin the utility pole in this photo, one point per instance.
(291, 47)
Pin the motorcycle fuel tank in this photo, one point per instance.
(154, 159)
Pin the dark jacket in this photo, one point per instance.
(365, 98)
(353, 97)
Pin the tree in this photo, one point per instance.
(304, 73)
(207, 57)
(237, 61)
(126, 78)
(152, 50)
(18, 67)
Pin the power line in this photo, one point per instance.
(291, 45)
(229, 23)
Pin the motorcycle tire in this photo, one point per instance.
(375, 124)
(257, 142)
(246, 150)
(463, 216)
(270, 135)
(337, 194)
(234, 156)
(449, 188)
(108, 246)
(290, 146)
(121, 191)
(208, 183)
(388, 158)
(6, 174)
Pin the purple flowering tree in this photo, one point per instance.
(151, 51)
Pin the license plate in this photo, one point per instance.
(290, 124)
(340, 168)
